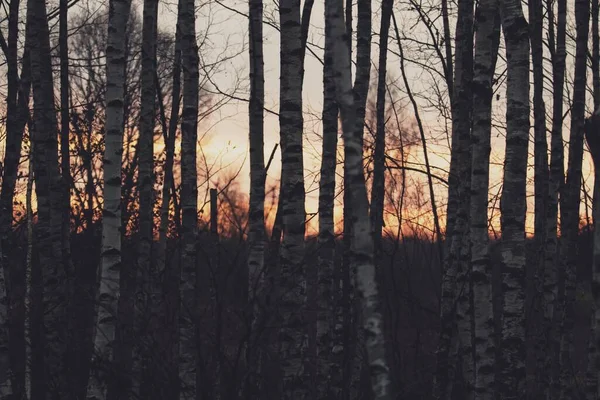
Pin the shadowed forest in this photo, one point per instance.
(335, 200)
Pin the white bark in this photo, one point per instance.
(256, 235)
(292, 333)
(513, 204)
(189, 202)
(329, 386)
(592, 133)
(52, 343)
(486, 54)
(110, 264)
(362, 245)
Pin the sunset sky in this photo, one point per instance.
(224, 134)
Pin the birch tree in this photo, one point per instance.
(17, 113)
(512, 203)
(150, 284)
(360, 91)
(256, 237)
(362, 244)
(65, 156)
(557, 44)
(292, 334)
(592, 135)
(456, 275)
(110, 264)
(189, 202)
(541, 188)
(329, 379)
(378, 190)
(52, 378)
(570, 195)
(487, 41)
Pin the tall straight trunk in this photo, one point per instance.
(461, 141)
(171, 271)
(362, 244)
(48, 189)
(571, 196)
(17, 114)
(65, 157)
(378, 190)
(535, 335)
(256, 232)
(486, 54)
(328, 381)
(292, 333)
(346, 280)
(360, 92)
(591, 131)
(513, 203)
(150, 285)
(456, 279)
(29, 268)
(110, 258)
(552, 297)
(189, 203)
(592, 135)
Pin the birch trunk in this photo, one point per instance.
(551, 294)
(110, 263)
(486, 53)
(378, 189)
(328, 354)
(292, 333)
(362, 244)
(28, 274)
(150, 286)
(360, 91)
(592, 134)
(570, 197)
(189, 203)
(456, 281)
(172, 271)
(512, 203)
(534, 330)
(16, 108)
(65, 157)
(49, 202)
(256, 236)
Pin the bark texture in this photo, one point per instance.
(189, 203)
(552, 302)
(378, 189)
(17, 113)
(486, 53)
(362, 244)
(150, 285)
(328, 378)
(535, 334)
(570, 198)
(456, 292)
(52, 379)
(256, 236)
(292, 333)
(110, 264)
(592, 384)
(512, 203)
